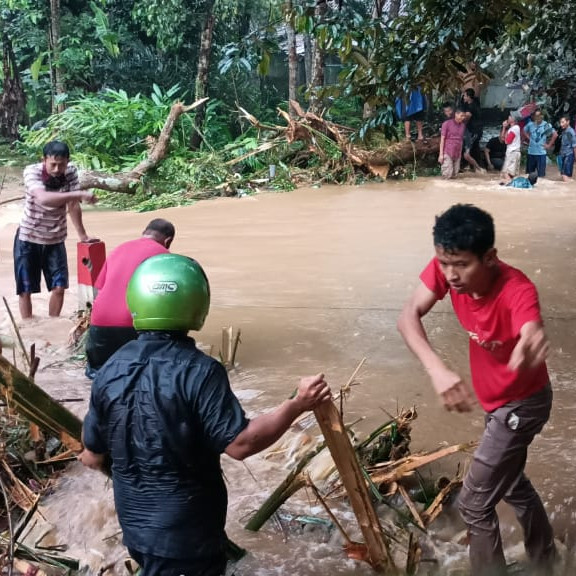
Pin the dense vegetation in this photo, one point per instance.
(102, 75)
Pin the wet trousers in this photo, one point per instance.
(157, 566)
(497, 473)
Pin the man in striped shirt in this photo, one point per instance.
(51, 188)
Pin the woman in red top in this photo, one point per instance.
(498, 306)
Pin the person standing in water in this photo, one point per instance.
(498, 307)
(163, 412)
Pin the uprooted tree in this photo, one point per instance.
(128, 181)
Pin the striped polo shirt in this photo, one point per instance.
(45, 224)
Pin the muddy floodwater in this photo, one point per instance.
(315, 279)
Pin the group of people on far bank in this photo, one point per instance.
(462, 130)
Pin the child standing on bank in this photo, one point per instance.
(451, 141)
(567, 149)
(511, 133)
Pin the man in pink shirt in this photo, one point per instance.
(451, 141)
(111, 321)
(498, 307)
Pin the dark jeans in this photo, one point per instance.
(157, 566)
(497, 473)
(536, 163)
(31, 260)
(103, 341)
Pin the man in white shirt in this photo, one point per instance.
(511, 134)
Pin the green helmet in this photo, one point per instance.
(168, 292)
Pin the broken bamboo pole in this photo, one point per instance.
(396, 470)
(344, 456)
(38, 407)
(17, 332)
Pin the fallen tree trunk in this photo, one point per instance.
(378, 162)
(128, 181)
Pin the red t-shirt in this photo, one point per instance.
(493, 323)
(110, 308)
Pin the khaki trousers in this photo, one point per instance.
(497, 473)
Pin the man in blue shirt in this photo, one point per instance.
(567, 149)
(541, 137)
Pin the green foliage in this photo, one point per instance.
(104, 33)
(108, 131)
(164, 20)
(426, 45)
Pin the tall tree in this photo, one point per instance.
(13, 101)
(56, 68)
(317, 82)
(292, 55)
(201, 84)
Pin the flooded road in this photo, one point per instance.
(315, 279)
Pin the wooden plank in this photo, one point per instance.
(344, 457)
(32, 403)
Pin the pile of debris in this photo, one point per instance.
(377, 470)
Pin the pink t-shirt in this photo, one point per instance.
(110, 308)
(453, 138)
(493, 323)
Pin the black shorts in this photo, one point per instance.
(103, 341)
(31, 260)
(471, 140)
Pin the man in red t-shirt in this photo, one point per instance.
(498, 306)
(111, 321)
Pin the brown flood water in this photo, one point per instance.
(315, 279)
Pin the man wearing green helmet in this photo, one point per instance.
(163, 412)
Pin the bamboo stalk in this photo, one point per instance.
(37, 406)
(434, 510)
(344, 456)
(17, 331)
(328, 511)
(226, 351)
(291, 484)
(394, 471)
(235, 348)
(10, 528)
(411, 506)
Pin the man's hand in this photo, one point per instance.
(455, 393)
(92, 460)
(312, 390)
(440, 159)
(89, 198)
(532, 348)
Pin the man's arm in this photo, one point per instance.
(56, 199)
(76, 216)
(532, 348)
(487, 157)
(550, 144)
(441, 150)
(454, 392)
(264, 430)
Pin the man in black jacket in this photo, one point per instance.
(163, 412)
